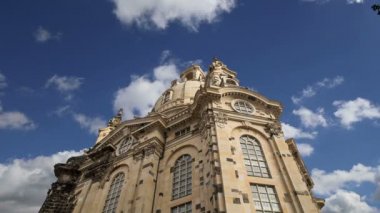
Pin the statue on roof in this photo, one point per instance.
(116, 120)
(216, 63)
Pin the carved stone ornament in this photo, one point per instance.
(273, 129)
(216, 63)
(220, 119)
(116, 120)
(102, 159)
(61, 197)
(216, 80)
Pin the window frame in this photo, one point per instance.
(254, 158)
(182, 177)
(244, 106)
(269, 197)
(176, 209)
(126, 145)
(114, 192)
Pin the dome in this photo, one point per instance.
(181, 92)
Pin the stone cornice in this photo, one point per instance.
(305, 173)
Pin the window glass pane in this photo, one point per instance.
(258, 205)
(243, 106)
(266, 200)
(182, 177)
(266, 206)
(114, 194)
(183, 208)
(253, 157)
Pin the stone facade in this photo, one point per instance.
(209, 145)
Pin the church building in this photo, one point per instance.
(209, 145)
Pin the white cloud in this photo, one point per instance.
(138, 98)
(89, 123)
(327, 183)
(25, 182)
(311, 91)
(43, 35)
(305, 149)
(15, 120)
(337, 186)
(293, 132)
(65, 84)
(62, 110)
(377, 192)
(350, 112)
(3, 82)
(331, 83)
(355, 1)
(326, 1)
(311, 119)
(160, 13)
(347, 202)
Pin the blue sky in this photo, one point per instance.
(66, 66)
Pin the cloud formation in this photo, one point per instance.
(326, 1)
(89, 123)
(305, 149)
(3, 82)
(43, 35)
(338, 185)
(312, 90)
(327, 183)
(353, 111)
(25, 182)
(160, 13)
(13, 119)
(138, 98)
(293, 132)
(347, 202)
(92, 124)
(311, 119)
(65, 84)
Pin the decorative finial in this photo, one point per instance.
(116, 120)
(120, 113)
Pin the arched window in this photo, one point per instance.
(182, 177)
(243, 106)
(254, 158)
(126, 144)
(114, 194)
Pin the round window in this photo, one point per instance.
(125, 145)
(243, 106)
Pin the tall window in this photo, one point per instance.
(254, 158)
(126, 144)
(265, 199)
(114, 194)
(243, 106)
(183, 208)
(182, 177)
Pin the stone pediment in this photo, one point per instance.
(265, 104)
